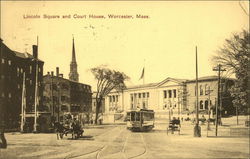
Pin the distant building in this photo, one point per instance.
(208, 94)
(13, 66)
(171, 97)
(61, 96)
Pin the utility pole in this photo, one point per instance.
(36, 91)
(209, 110)
(219, 69)
(59, 101)
(197, 128)
(52, 100)
(23, 104)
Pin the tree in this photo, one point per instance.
(235, 58)
(107, 80)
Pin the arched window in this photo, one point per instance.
(206, 104)
(201, 105)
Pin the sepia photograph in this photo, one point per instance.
(124, 79)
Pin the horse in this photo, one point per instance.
(76, 131)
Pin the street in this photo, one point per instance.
(115, 141)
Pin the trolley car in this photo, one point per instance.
(140, 120)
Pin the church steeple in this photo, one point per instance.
(73, 75)
(73, 52)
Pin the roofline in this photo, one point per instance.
(65, 79)
(215, 78)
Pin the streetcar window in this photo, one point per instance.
(137, 116)
(128, 117)
(132, 116)
(148, 116)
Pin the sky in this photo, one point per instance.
(164, 43)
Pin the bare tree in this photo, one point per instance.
(107, 80)
(234, 56)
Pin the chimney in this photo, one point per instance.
(57, 71)
(48, 73)
(52, 73)
(35, 54)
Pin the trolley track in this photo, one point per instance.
(99, 150)
(124, 140)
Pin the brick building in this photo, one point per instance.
(13, 66)
(208, 94)
(61, 96)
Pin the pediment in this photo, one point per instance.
(170, 82)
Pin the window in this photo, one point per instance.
(117, 98)
(165, 94)
(206, 90)
(139, 95)
(174, 93)
(131, 97)
(113, 98)
(9, 62)
(17, 71)
(64, 108)
(30, 82)
(148, 94)
(143, 95)
(201, 104)
(9, 95)
(30, 69)
(2, 61)
(169, 93)
(135, 95)
(63, 98)
(3, 94)
(21, 70)
(206, 104)
(201, 90)
(39, 69)
(18, 86)
(110, 99)
(223, 88)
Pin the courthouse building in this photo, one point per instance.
(175, 97)
(161, 97)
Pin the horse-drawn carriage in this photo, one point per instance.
(174, 125)
(68, 126)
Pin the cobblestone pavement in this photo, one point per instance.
(116, 142)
